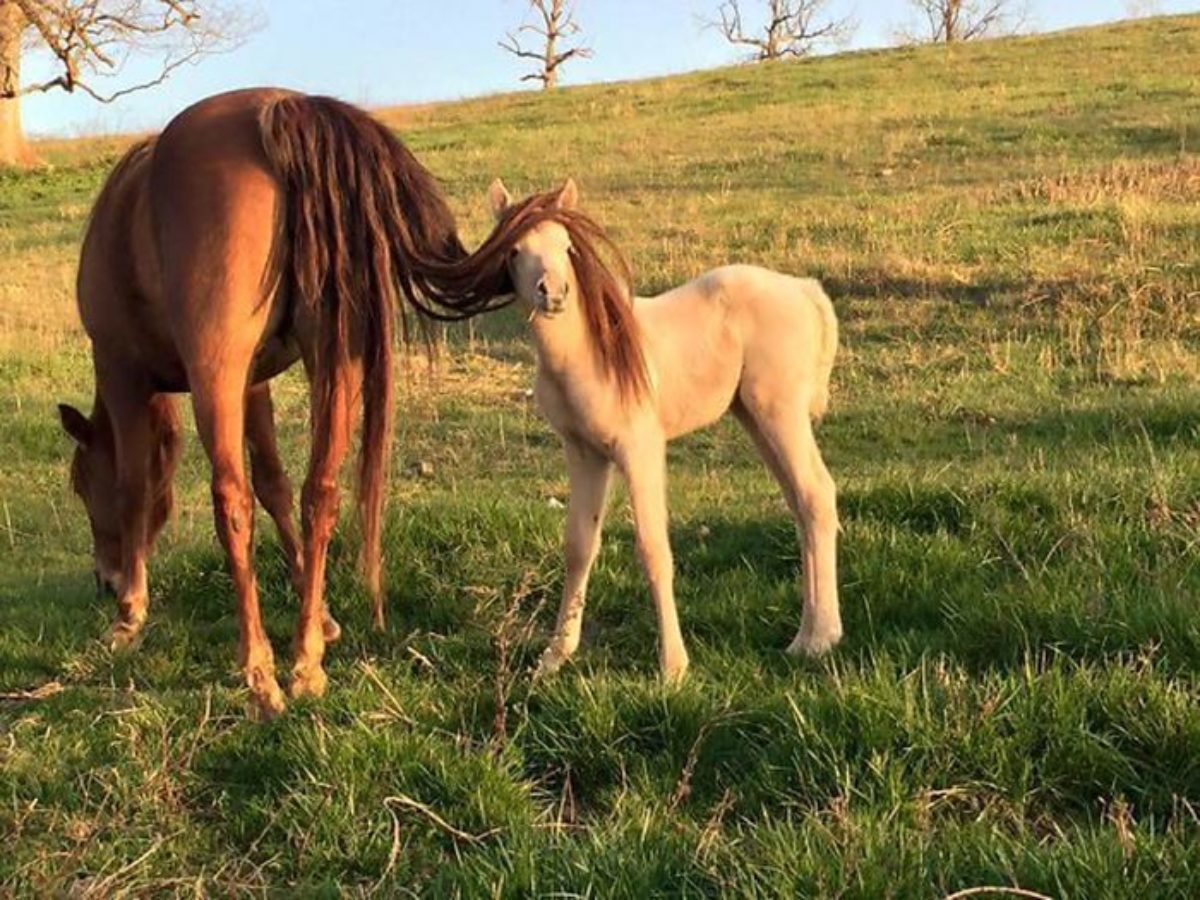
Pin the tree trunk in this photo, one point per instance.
(549, 69)
(13, 149)
(950, 20)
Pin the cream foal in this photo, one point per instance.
(738, 338)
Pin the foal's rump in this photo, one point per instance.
(788, 328)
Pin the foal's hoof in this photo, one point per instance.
(815, 643)
(331, 629)
(124, 634)
(551, 661)
(674, 672)
(308, 682)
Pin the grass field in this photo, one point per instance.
(1011, 234)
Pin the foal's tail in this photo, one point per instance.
(828, 350)
(359, 211)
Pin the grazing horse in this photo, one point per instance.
(260, 228)
(617, 378)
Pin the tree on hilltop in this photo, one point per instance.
(789, 28)
(85, 44)
(952, 21)
(557, 24)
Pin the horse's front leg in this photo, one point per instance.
(644, 466)
(274, 489)
(318, 516)
(589, 474)
(128, 406)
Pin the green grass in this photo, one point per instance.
(1011, 233)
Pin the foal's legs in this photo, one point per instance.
(319, 512)
(644, 466)
(219, 399)
(128, 406)
(784, 436)
(274, 489)
(589, 474)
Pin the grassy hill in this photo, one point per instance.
(1011, 233)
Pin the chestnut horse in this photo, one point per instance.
(260, 228)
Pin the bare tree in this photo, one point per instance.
(791, 28)
(951, 21)
(88, 42)
(556, 25)
(1140, 9)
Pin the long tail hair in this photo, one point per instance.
(363, 224)
(367, 234)
(605, 285)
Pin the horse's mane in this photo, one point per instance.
(605, 283)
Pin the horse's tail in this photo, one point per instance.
(359, 209)
(828, 349)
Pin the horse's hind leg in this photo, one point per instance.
(319, 511)
(784, 436)
(274, 489)
(219, 398)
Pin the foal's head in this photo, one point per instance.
(561, 262)
(539, 262)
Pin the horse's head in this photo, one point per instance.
(539, 262)
(94, 479)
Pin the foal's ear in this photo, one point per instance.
(75, 424)
(568, 195)
(498, 198)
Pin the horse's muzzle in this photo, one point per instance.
(104, 586)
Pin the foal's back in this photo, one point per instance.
(735, 329)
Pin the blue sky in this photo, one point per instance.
(381, 52)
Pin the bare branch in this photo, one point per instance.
(790, 28)
(950, 21)
(557, 22)
(90, 41)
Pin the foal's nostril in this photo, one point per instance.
(542, 289)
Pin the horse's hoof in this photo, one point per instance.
(266, 697)
(265, 707)
(124, 635)
(308, 682)
(814, 644)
